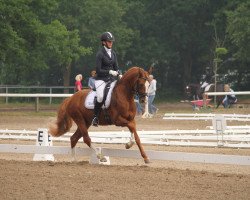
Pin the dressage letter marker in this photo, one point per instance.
(43, 139)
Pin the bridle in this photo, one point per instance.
(136, 87)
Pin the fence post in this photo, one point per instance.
(37, 104)
(50, 99)
(6, 98)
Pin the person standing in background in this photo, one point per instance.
(139, 110)
(78, 83)
(151, 95)
(91, 82)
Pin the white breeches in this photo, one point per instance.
(100, 85)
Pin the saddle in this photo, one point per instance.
(91, 96)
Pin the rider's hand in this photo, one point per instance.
(120, 76)
(113, 73)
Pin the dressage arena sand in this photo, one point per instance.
(22, 178)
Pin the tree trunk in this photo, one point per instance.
(66, 78)
(187, 68)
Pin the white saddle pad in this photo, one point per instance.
(89, 102)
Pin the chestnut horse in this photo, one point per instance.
(121, 111)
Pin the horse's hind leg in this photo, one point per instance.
(132, 128)
(87, 140)
(73, 140)
(75, 137)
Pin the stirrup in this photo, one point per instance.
(95, 121)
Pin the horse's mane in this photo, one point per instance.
(130, 74)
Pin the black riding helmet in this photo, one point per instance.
(107, 36)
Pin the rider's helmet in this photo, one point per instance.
(107, 36)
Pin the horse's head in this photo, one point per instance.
(140, 85)
(193, 91)
(135, 80)
(189, 91)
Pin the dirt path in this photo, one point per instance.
(21, 178)
(38, 180)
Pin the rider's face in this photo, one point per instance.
(108, 44)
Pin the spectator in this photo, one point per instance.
(139, 109)
(151, 95)
(91, 82)
(229, 99)
(78, 83)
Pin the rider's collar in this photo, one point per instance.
(108, 51)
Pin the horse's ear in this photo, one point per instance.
(150, 70)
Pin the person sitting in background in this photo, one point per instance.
(151, 95)
(91, 82)
(139, 109)
(229, 99)
(78, 83)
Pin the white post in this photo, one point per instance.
(43, 139)
(219, 125)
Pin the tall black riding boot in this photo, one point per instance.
(97, 110)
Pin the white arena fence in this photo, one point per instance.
(227, 93)
(232, 137)
(205, 116)
(40, 95)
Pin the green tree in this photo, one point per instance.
(239, 32)
(92, 18)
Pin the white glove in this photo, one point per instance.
(120, 76)
(112, 72)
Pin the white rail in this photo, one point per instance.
(227, 93)
(234, 138)
(207, 116)
(34, 95)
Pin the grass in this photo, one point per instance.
(28, 109)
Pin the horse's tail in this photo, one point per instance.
(63, 122)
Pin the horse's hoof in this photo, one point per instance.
(129, 145)
(147, 161)
(101, 158)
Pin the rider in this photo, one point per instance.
(207, 79)
(106, 71)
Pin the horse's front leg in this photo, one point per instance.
(131, 142)
(132, 127)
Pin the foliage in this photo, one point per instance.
(48, 42)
